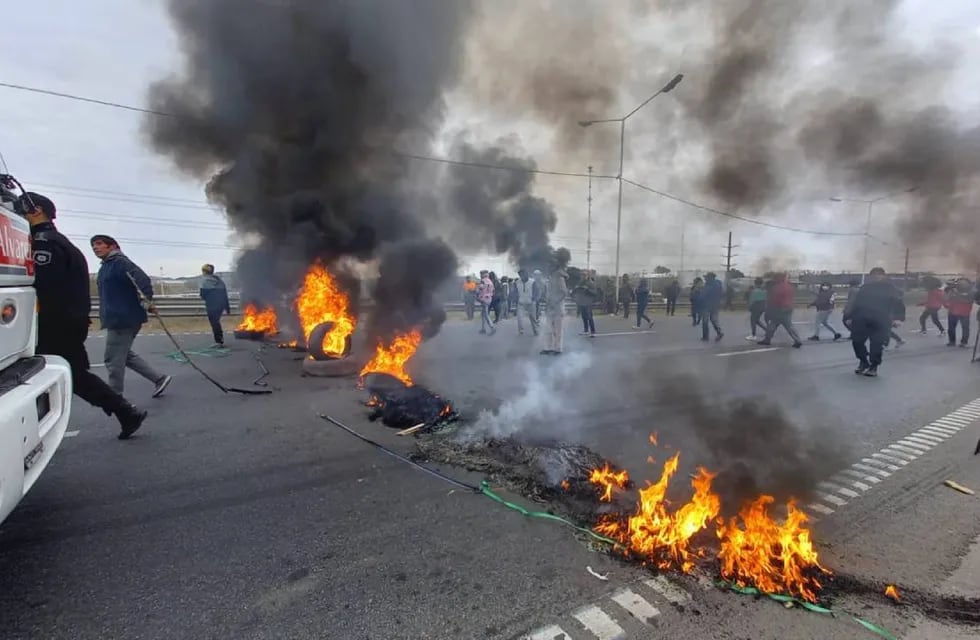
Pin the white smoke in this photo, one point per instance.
(546, 402)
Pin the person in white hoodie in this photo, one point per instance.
(526, 301)
(556, 293)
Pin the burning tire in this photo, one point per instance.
(245, 334)
(316, 341)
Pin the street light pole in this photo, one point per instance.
(667, 88)
(867, 223)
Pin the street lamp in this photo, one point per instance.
(667, 88)
(867, 224)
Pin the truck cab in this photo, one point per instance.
(35, 391)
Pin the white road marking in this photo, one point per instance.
(554, 632)
(832, 499)
(867, 469)
(637, 606)
(880, 463)
(833, 488)
(622, 333)
(955, 420)
(816, 506)
(98, 364)
(923, 438)
(863, 475)
(739, 353)
(947, 431)
(935, 433)
(902, 452)
(71, 434)
(668, 590)
(599, 623)
(891, 458)
(921, 447)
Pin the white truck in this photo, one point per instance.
(35, 391)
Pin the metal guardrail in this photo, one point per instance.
(183, 307)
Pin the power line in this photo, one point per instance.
(105, 103)
(174, 205)
(164, 243)
(119, 193)
(729, 214)
(104, 215)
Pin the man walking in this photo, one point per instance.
(695, 297)
(824, 304)
(642, 300)
(935, 299)
(122, 314)
(484, 294)
(870, 314)
(757, 308)
(62, 285)
(585, 294)
(959, 302)
(215, 296)
(709, 302)
(780, 311)
(526, 302)
(555, 311)
(672, 292)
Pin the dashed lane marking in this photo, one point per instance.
(554, 632)
(71, 434)
(745, 351)
(839, 489)
(636, 605)
(606, 618)
(599, 623)
(623, 333)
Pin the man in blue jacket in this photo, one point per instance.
(215, 296)
(710, 302)
(122, 314)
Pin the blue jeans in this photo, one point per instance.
(486, 324)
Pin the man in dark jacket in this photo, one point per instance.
(585, 294)
(61, 282)
(122, 314)
(215, 296)
(870, 314)
(710, 302)
(671, 293)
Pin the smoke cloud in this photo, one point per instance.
(751, 443)
(292, 111)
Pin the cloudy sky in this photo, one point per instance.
(93, 161)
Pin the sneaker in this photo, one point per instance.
(162, 385)
(837, 337)
(950, 344)
(719, 337)
(130, 420)
(650, 324)
(546, 352)
(814, 338)
(871, 372)
(964, 345)
(764, 342)
(591, 335)
(862, 367)
(942, 332)
(797, 345)
(923, 332)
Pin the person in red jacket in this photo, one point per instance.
(934, 302)
(781, 298)
(959, 303)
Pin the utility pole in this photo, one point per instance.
(906, 287)
(728, 257)
(680, 272)
(588, 232)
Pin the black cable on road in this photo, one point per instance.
(180, 350)
(398, 456)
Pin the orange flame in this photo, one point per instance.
(322, 300)
(565, 485)
(608, 480)
(773, 557)
(255, 320)
(661, 536)
(391, 359)
(892, 592)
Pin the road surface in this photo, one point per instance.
(250, 517)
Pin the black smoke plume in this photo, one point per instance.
(753, 445)
(291, 110)
(495, 210)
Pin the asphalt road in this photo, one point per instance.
(250, 517)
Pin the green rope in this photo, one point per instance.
(207, 352)
(751, 591)
(809, 606)
(485, 490)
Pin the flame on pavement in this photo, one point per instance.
(892, 592)
(607, 480)
(254, 319)
(391, 358)
(754, 549)
(322, 300)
